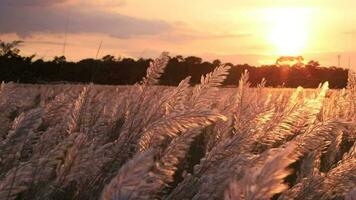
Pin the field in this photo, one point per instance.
(185, 142)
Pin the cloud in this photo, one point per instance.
(179, 35)
(31, 2)
(26, 20)
(100, 3)
(45, 42)
(86, 3)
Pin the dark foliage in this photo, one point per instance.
(127, 71)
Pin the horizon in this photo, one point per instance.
(272, 62)
(255, 32)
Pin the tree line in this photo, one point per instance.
(126, 71)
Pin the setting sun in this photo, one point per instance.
(202, 99)
(289, 32)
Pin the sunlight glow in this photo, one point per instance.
(289, 30)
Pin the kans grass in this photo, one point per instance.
(185, 142)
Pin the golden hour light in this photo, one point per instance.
(174, 99)
(289, 31)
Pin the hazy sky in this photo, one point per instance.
(254, 31)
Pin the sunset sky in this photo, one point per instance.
(254, 31)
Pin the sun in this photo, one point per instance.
(289, 31)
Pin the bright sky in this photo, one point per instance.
(254, 31)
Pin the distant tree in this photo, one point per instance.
(10, 49)
(296, 61)
(288, 71)
(59, 59)
(109, 59)
(193, 60)
(29, 58)
(216, 62)
(39, 61)
(180, 58)
(312, 64)
(229, 64)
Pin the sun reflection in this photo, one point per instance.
(289, 30)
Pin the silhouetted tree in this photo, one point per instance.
(10, 49)
(312, 64)
(125, 71)
(59, 59)
(217, 62)
(193, 60)
(109, 59)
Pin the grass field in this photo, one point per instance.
(156, 142)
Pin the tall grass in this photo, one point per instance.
(185, 142)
